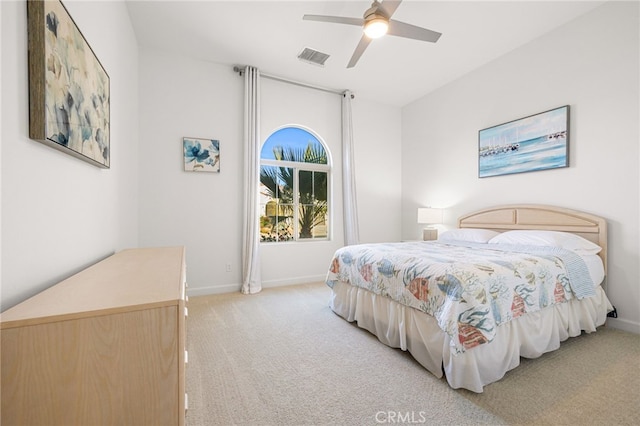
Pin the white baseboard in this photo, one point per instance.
(221, 289)
(232, 288)
(294, 281)
(625, 325)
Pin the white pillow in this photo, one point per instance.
(468, 234)
(565, 240)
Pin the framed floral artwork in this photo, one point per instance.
(69, 95)
(201, 155)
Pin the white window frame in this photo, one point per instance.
(297, 167)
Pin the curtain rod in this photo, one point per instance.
(296, 83)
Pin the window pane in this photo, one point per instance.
(276, 197)
(283, 230)
(320, 186)
(277, 183)
(305, 186)
(276, 222)
(293, 197)
(312, 199)
(313, 221)
(312, 186)
(294, 144)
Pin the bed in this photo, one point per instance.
(511, 281)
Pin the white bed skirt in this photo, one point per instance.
(528, 336)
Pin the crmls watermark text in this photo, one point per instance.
(398, 417)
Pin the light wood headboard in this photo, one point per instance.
(532, 216)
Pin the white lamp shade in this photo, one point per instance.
(376, 28)
(429, 215)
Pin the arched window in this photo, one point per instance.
(294, 187)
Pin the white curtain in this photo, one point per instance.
(251, 281)
(351, 235)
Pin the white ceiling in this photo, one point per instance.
(394, 71)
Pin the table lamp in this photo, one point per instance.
(429, 216)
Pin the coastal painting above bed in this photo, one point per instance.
(536, 142)
(512, 281)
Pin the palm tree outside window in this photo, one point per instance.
(294, 187)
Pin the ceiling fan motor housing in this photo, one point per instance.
(377, 22)
(375, 12)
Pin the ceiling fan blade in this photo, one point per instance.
(360, 48)
(334, 19)
(389, 6)
(402, 29)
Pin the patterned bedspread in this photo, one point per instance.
(470, 289)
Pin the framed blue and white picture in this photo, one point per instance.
(69, 92)
(536, 142)
(201, 155)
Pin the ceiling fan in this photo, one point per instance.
(377, 22)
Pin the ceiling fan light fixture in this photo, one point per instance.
(376, 27)
(376, 22)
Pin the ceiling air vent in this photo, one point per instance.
(313, 56)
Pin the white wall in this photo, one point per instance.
(187, 97)
(285, 104)
(378, 155)
(182, 97)
(60, 214)
(596, 72)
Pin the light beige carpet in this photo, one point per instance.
(282, 357)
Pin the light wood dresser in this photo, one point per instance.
(103, 347)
